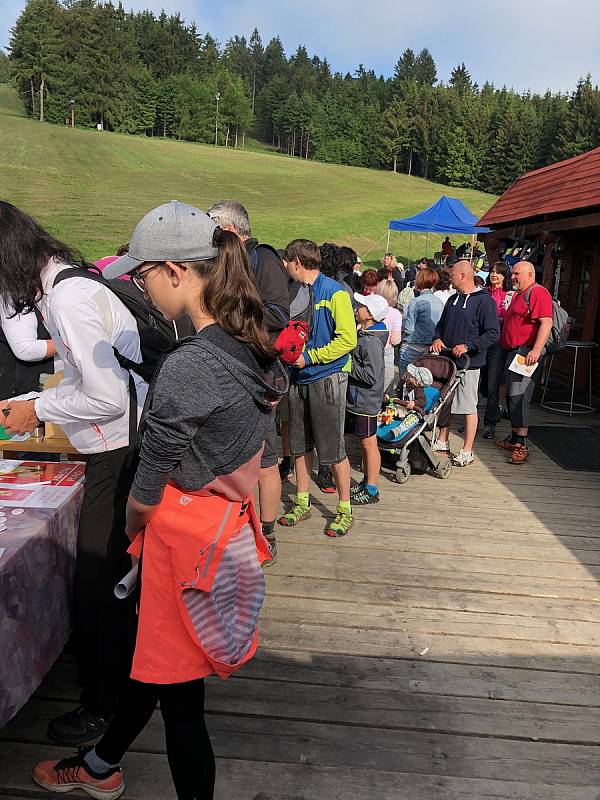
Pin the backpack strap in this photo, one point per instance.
(527, 295)
(124, 362)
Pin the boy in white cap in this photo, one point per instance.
(365, 391)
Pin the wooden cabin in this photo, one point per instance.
(554, 213)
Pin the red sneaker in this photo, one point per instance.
(72, 773)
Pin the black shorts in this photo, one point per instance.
(269, 456)
(362, 426)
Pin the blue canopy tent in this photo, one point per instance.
(448, 215)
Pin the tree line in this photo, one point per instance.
(93, 63)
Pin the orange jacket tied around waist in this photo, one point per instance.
(202, 587)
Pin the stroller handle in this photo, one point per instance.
(466, 357)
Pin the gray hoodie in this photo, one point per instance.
(205, 418)
(366, 379)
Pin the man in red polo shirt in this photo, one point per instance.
(525, 330)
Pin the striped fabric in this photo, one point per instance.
(226, 618)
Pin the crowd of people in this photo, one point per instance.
(176, 437)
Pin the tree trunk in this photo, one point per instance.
(253, 91)
(244, 139)
(227, 137)
(32, 96)
(164, 129)
(42, 88)
(307, 141)
(395, 163)
(410, 161)
(426, 166)
(236, 137)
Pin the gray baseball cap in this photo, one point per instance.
(422, 374)
(172, 232)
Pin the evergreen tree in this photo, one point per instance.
(5, 70)
(36, 52)
(275, 63)
(394, 134)
(257, 59)
(405, 69)
(425, 72)
(460, 79)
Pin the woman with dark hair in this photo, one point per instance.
(421, 317)
(370, 281)
(191, 507)
(444, 289)
(499, 285)
(98, 413)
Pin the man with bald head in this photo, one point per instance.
(468, 326)
(526, 326)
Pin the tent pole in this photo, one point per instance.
(472, 247)
(426, 241)
(387, 247)
(409, 247)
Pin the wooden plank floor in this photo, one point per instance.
(448, 648)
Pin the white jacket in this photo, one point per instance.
(91, 403)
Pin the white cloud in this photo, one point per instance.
(535, 44)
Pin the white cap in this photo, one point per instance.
(378, 306)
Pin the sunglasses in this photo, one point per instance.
(139, 278)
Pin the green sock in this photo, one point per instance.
(345, 507)
(303, 499)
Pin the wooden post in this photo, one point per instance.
(387, 247)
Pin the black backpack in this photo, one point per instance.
(561, 324)
(157, 336)
(20, 377)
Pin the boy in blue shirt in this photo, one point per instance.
(317, 396)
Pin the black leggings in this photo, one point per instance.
(190, 753)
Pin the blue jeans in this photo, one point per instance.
(409, 353)
(496, 376)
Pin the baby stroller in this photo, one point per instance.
(414, 447)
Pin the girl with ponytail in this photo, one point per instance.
(190, 513)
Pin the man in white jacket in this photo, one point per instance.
(92, 404)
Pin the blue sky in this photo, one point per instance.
(528, 44)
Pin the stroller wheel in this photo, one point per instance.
(443, 469)
(403, 473)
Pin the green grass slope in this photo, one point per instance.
(90, 188)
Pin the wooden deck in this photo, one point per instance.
(449, 648)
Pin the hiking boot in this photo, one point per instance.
(519, 455)
(286, 469)
(489, 431)
(297, 513)
(270, 537)
(77, 727)
(73, 773)
(324, 480)
(463, 459)
(340, 525)
(364, 497)
(440, 447)
(505, 444)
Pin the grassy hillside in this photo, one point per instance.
(90, 188)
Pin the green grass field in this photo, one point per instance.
(90, 188)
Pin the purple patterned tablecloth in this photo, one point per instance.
(36, 578)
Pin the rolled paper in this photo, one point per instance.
(127, 584)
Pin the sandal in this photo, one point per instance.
(519, 455)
